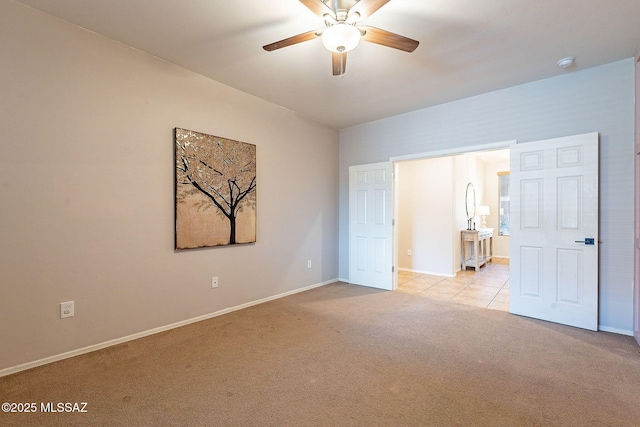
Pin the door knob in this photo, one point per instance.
(587, 241)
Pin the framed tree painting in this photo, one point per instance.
(215, 191)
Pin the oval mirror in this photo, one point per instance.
(470, 201)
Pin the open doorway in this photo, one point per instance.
(430, 214)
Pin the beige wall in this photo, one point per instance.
(425, 215)
(86, 183)
(431, 210)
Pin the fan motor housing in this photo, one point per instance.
(337, 5)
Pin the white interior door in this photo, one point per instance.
(370, 225)
(554, 230)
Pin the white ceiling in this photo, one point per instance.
(467, 47)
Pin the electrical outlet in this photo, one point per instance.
(214, 282)
(309, 264)
(409, 252)
(67, 309)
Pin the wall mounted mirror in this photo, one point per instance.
(470, 203)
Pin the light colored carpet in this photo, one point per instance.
(344, 355)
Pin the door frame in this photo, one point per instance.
(431, 155)
(394, 190)
(636, 244)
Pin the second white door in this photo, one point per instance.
(554, 230)
(370, 225)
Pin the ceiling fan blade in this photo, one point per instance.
(367, 7)
(389, 39)
(339, 62)
(318, 7)
(309, 35)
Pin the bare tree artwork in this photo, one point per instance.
(215, 190)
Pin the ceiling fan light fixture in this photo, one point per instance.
(341, 38)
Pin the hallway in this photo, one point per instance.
(487, 288)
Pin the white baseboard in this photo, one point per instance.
(426, 272)
(615, 330)
(73, 353)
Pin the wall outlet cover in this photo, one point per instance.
(67, 309)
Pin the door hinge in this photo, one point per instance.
(393, 269)
(393, 222)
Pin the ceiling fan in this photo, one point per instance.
(342, 34)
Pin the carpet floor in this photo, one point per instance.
(345, 355)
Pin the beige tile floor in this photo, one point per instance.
(488, 287)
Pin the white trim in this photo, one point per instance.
(454, 151)
(343, 280)
(615, 330)
(426, 272)
(73, 353)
